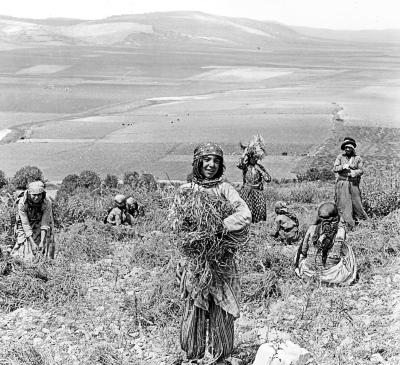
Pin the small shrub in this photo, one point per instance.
(89, 241)
(147, 182)
(131, 178)
(315, 174)
(381, 197)
(26, 175)
(80, 207)
(375, 242)
(70, 183)
(111, 181)
(89, 180)
(3, 179)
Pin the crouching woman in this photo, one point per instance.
(215, 307)
(34, 224)
(324, 254)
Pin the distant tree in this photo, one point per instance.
(70, 183)
(131, 178)
(89, 180)
(111, 181)
(26, 175)
(3, 179)
(147, 182)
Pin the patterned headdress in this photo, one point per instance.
(202, 150)
(208, 148)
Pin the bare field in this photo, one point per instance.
(116, 109)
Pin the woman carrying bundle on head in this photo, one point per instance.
(213, 221)
(254, 175)
(324, 253)
(286, 224)
(34, 224)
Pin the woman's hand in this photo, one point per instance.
(33, 244)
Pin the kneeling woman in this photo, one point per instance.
(324, 253)
(216, 307)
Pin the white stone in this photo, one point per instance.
(286, 353)
(377, 359)
(37, 341)
(234, 361)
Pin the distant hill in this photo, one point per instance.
(146, 29)
(172, 29)
(370, 36)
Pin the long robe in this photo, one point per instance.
(347, 188)
(30, 221)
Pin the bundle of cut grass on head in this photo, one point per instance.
(198, 219)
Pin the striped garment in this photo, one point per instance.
(194, 331)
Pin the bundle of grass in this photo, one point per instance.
(21, 284)
(104, 355)
(25, 354)
(37, 283)
(202, 238)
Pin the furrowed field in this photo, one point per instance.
(110, 296)
(115, 108)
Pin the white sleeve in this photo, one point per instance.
(242, 216)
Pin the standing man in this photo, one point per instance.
(349, 168)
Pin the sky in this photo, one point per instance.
(332, 14)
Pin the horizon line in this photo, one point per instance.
(202, 12)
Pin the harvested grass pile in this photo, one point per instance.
(202, 237)
(23, 284)
(25, 354)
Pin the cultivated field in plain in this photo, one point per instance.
(114, 109)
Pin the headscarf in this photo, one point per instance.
(120, 200)
(281, 208)
(202, 150)
(208, 148)
(36, 187)
(327, 225)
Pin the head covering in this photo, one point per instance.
(280, 205)
(281, 208)
(36, 187)
(327, 211)
(348, 142)
(327, 227)
(202, 150)
(130, 201)
(208, 148)
(120, 199)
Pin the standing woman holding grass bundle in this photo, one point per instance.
(254, 175)
(215, 306)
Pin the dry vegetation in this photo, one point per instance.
(110, 296)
